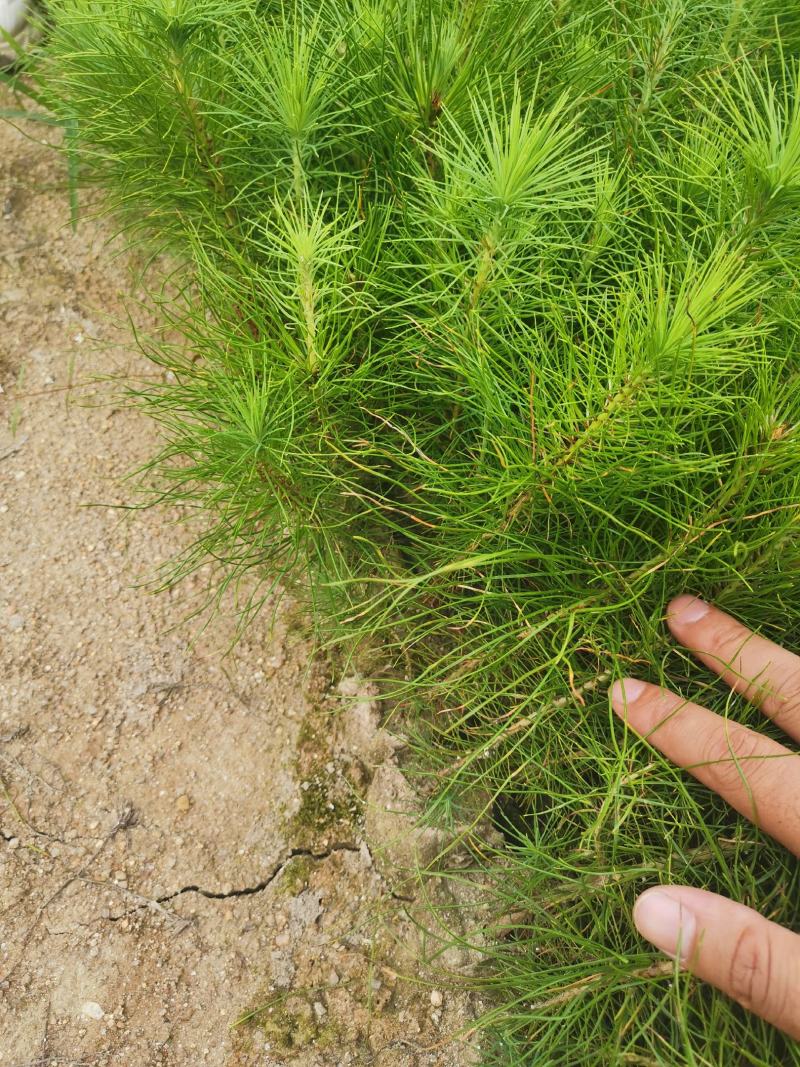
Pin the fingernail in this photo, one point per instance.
(688, 609)
(664, 921)
(626, 691)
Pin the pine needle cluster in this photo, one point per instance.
(488, 316)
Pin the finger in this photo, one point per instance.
(760, 670)
(753, 960)
(756, 775)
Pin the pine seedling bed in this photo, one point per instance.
(489, 319)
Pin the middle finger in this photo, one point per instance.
(756, 775)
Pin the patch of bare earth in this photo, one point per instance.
(182, 829)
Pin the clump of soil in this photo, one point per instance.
(181, 827)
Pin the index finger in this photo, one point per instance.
(748, 957)
(763, 672)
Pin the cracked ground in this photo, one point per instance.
(181, 825)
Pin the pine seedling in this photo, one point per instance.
(490, 326)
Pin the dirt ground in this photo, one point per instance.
(182, 829)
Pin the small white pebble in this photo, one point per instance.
(92, 1010)
(436, 998)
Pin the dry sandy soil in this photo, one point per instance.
(182, 828)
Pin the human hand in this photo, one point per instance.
(752, 959)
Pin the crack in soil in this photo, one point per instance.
(126, 820)
(246, 891)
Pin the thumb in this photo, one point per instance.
(753, 960)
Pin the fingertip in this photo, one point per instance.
(625, 692)
(685, 610)
(663, 919)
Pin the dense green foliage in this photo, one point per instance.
(488, 316)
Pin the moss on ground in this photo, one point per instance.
(331, 805)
